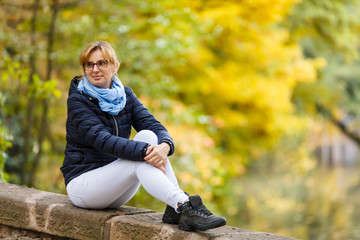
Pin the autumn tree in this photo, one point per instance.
(25, 22)
(220, 75)
(330, 29)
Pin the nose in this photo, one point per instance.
(96, 68)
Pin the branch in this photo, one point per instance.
(338, 123)
(346, 131)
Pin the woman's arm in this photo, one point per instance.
(90, 127)
(156, 155)
(143, 119)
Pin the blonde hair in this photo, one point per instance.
(106, 49)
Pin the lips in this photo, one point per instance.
(97, 77)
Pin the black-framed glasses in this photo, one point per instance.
(101, 64)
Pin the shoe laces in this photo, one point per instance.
(202, 210)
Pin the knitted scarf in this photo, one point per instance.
(111, 100)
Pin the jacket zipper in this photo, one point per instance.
(116, 125)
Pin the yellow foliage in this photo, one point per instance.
(242, 71)
(247, 70)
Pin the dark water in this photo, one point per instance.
(321, 204)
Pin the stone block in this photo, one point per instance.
(53, 213)
(44, 215)
(145, 226)
(150, 226)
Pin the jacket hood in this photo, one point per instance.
(74, 84)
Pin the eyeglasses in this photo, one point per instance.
(102, 64)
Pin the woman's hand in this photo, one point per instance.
(156, 155)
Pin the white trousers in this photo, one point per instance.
(116, 183)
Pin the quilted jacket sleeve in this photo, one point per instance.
(95, 134)
(143, 119)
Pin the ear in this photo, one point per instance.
(117, 66)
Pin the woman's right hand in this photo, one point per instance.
(156, 155)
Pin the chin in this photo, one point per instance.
(99, 84)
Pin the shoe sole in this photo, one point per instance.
(185, 227)
(170, 221)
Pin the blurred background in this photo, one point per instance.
(261, 97)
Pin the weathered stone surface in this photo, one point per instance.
(11, 233)
(53, 213)
(34, 214)
(149, 226)
(228, 232)
(145, 226)
(13, 211)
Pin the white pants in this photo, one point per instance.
(116, 183)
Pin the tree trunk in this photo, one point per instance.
(29, 112)
(44, 122)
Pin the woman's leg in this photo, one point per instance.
(155, 182)
(99, 188)
(125, 197)
(151, 138)
(117, 182)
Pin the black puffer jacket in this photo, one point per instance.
(96, 138)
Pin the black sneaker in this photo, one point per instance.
(170, 215)
(195, 216)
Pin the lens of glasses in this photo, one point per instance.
(100, 64)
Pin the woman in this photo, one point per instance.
(103, 168)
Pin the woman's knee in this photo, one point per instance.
(147, 136)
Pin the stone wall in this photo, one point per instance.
(27, 214)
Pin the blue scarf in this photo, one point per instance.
(111, 100)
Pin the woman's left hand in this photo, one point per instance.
(156, 155)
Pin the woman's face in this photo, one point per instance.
(100, 77)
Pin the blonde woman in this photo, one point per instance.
(103, 168)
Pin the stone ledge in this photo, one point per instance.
(53, 214)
